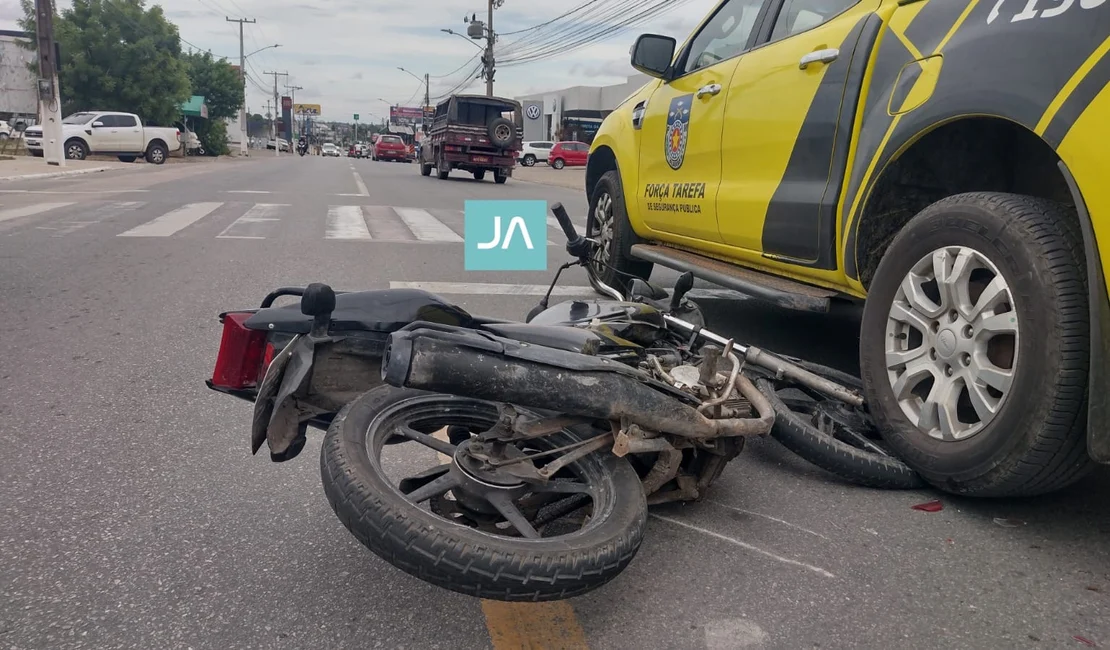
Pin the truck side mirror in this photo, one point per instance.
(652, 54)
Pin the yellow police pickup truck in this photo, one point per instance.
(948, 161)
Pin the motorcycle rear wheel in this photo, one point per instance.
(461, 542)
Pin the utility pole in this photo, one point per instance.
(270, 116)
(427, 92)
(242, 80)
(50, 99)
(293, 113)
(277, 105)
(489, 49)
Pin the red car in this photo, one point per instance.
(568, 153)
(390, 147)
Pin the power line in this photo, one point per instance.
(587, 36)
(545, 24)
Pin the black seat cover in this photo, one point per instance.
(383, 310)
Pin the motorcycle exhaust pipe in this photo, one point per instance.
(501, 370)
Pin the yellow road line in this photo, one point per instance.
(528, 626)
(533, 626)
(1071, 85)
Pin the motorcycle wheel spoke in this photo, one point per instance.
(417, 481)
(513, 515)
(442, 446)
(437, 487)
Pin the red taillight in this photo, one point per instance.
(239, 363)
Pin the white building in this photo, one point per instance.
(577, 110)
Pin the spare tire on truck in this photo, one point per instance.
(501, 132)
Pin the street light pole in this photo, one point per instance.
(243, 81)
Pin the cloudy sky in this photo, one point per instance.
(345, 53)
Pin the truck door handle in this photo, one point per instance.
(819, 56)
(711, 89)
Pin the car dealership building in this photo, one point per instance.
(573, 113)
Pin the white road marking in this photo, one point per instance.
(247, 226)
(249, 192)
(29, 210)
(346, 222)
(384, 224)
(493, 289)
(745, 545)
(173, 221)
(733, 633)
(361, 186)
(775, 519)
(425, 226)
(98, 215)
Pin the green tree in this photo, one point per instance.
(217, 81)
(117, 55)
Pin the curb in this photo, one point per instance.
(75, 172)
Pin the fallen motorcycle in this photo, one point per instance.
(536, 446)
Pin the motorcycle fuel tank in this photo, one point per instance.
(636, 323)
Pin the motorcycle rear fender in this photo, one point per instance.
(307, 384)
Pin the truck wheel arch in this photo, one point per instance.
(997, 155)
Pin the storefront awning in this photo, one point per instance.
(195, 107)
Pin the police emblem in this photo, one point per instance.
(678, 129)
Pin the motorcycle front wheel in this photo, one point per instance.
(441, 514)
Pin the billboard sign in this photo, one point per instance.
(306, 109)
(286, 103)
(405, 115)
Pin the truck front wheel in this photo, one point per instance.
(974, 347)
(76, 149)
(612, 262)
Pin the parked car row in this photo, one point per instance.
(556, 154)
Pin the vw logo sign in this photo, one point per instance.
(533, 112)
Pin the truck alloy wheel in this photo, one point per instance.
(974, 347)
(76, 150)
(607, 222)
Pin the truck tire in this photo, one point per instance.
(500, 177)
(612, 262)
(156, 153)
(480, 175)
(985, 393)
(450, 553)
(76, 149)
(501, 132)
(425, 169)
(443, 168)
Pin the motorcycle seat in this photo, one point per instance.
(381, 310)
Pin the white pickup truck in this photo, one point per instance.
(109, 133)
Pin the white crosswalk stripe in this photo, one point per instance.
(173, 221)
(251, 224)
(346, 222)
(29, 210)
(365, 223)
(425, 226)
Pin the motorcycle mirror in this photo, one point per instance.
(646, 289)
(682, 286)
(536, 311)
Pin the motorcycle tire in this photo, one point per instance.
(460, 557)
(798, 432)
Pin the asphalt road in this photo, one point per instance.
(133, 515)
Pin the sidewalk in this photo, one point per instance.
(569, 177)
(27, 168)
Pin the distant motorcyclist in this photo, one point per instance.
(302, 145)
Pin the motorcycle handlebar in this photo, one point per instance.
(564, 222)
